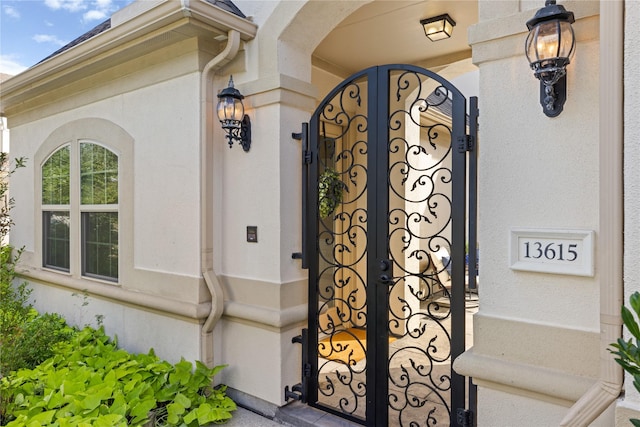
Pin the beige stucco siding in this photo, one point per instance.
(630, 405)
(159, 195)
(536, 334)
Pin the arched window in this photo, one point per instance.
(80, 198)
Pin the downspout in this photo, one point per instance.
(209, 275)
(600, 396)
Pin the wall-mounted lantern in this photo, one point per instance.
(549, 48)
(439, 27)
(231, 115)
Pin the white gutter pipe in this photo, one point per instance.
(600, 396)
(209, 275)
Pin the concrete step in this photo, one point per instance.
(298, 414)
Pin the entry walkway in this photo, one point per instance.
(245, 418)
(293, 415)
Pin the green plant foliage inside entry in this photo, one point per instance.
(330, 189)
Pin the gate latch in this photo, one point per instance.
(386, 273)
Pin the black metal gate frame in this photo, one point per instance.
(464, 146)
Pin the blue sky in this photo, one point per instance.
(31, 30)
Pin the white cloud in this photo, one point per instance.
(94, 15)
(9, 65)
(102, 4)
(48, 38)
(11, 11)
(69, 5)
(100, 10)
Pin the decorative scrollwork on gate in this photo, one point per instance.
(420, 208)
(342, 243)
(383, 239)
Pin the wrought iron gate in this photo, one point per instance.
(389, 183)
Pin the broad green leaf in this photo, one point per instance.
(103, 390)
(55, 400)
(174, 410)
(635, 422)
(90, 402)
(43, 417)
(629, 322)
(191, 416)
(141, 410)
(72, 386)
(634, 301)
(109, 421)
(183, 400)
(208, 414)
(119, 405)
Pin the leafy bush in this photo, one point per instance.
(33, 344)
(13, 300)
(628, 352)
(89, 381)
(26, 338)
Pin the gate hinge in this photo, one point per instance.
(306, 367)
(294, 393)
(306, 370)
(464, 417)
(306, 157)
(466, 143)
(306, 154)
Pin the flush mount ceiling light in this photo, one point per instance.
(549, 48)
(439, 27)
(232, 117)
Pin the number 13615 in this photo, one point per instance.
(552, 251)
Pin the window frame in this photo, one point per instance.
(113, 138)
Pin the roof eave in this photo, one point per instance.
(164, 15)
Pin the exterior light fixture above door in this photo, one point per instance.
(231, 115)
(549, 48)
(439, 27)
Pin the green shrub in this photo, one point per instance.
(26, 338)
(33, 343)
(89, 381)
(628, 352)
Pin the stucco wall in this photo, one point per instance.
(536, 334)
(629, 406)
(159, 201)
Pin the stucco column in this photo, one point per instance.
(536, 335)
(265, 288)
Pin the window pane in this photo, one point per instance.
(100, 244)
(56, 240)
(55, 178)
(98, 175)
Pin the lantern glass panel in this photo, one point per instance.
(448, 28)
(438, 30)
(230, 109)
(567, 40)
(548, 40)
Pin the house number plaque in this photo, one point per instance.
(552, 251)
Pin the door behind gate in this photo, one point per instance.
(389, 183)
